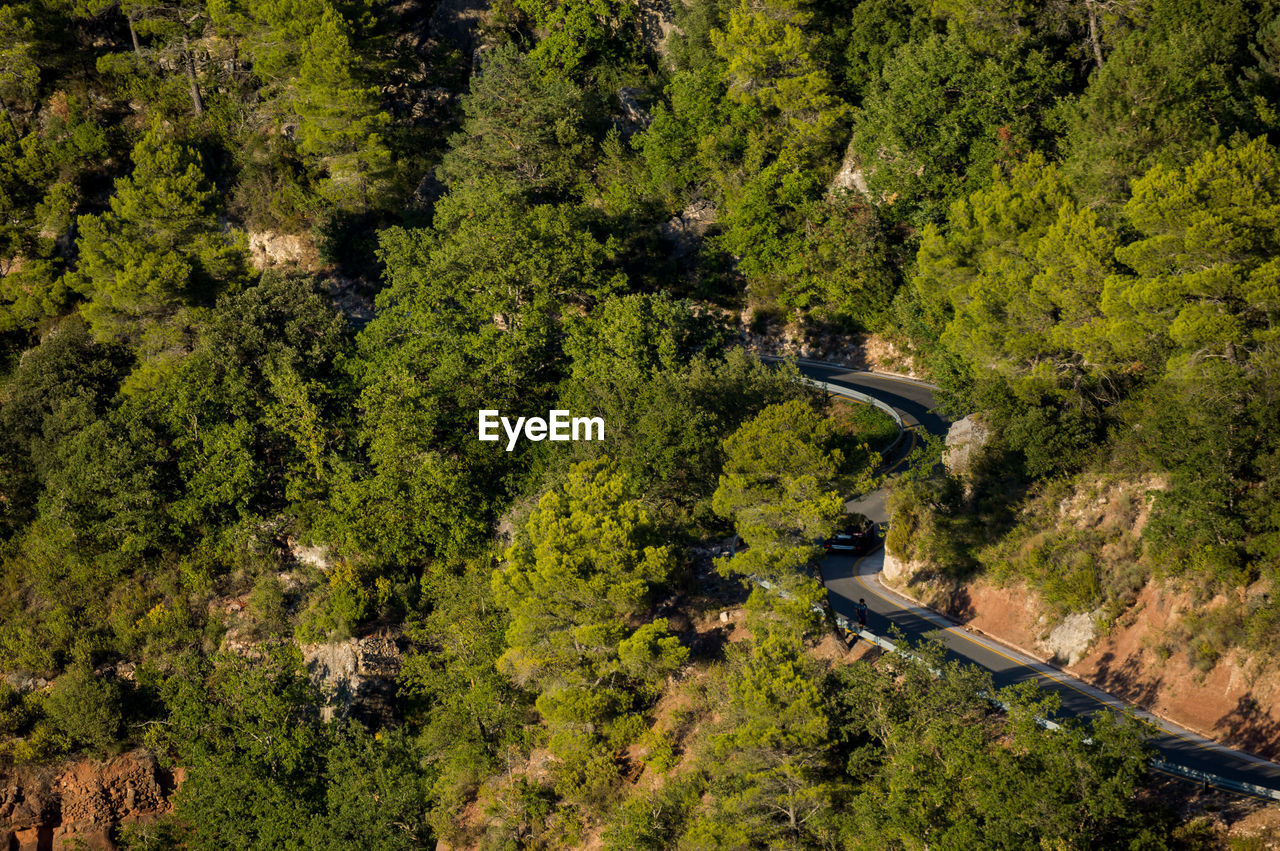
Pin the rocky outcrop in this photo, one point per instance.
(817, 342)
(685, 231)
(1069, 641)
(316, 556)
(850, 177)
(898, 571)
(965, 440)
(657, 24)
(23, 682)
(82, 804)
(356, 676)
(458, 21)
(634, 116)
(268, 248)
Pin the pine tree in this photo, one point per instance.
(340, 120)
(770, 66)
(1208, 277)
(589, 566)
(769, 770)
(573, 591)
(160, 246)
(19, 72)
(779, 488)
(1014, 282)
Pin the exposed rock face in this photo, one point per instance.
(356, 676)
(23, 682)
(82, 805)
(268, 248)
(657, 25)
(815, 342)
(850, 177)
(965, 440)
(634, 116)
(686, 230)
(317, 557)
(898, 571)
(458, 21)
(1069, 641)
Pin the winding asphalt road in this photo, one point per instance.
(849, 578)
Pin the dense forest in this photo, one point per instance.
(1067, 212)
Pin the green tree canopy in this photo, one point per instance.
(1207, 280)
(942, 114)
(1014, 282)
(575, 589)
(1169, 91)
(769, 764)
(780, 477)
(523, 128)
(341, 123)
(160, 247)
(590, 565)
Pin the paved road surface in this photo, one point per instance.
(849, 578)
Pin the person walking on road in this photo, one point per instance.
(860, 612)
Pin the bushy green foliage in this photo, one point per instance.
(1056, 208)
(779, 487)
(523, 128)
(262, 766)
(1169, 91)
(160, 247)
(340, 607)
(657, 373)
(943, 113)
(581, 32)
(84, 710)
(770, 774)
(1206, 282)
(1065, 323)
(780, 475)
(585, 574)
(937, 764)
(589, 565)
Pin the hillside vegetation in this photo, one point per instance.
(1066, 212)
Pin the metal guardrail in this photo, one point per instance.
(1168, 767)
(826, 364)
(885, 644)
(837, 390)
(1215, 780)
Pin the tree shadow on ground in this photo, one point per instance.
(1252, 727)
(1128, 679)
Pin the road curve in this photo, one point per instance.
(849, 578)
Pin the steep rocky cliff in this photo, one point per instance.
(81, 804)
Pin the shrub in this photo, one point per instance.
(84, 710)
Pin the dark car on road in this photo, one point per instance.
(856, 535)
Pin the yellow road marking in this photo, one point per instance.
(1044, 674)
(1049, 675)
(906, 457)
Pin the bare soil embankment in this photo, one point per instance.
(1144, 646)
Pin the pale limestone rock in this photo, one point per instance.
(850, 177)
(354, 671)
(965, 439)
(1069, 641)
(897, 570)
(268, 248)
(317, 556)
